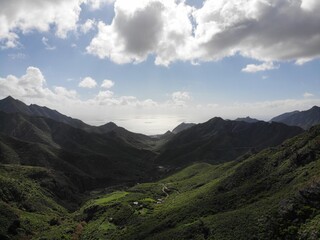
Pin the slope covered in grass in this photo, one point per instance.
(35, 201)
(271, 195)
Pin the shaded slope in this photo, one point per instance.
(303, 119)
(104, 159)
(11, 105)
(221, 140)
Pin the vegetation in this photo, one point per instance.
(60, 182)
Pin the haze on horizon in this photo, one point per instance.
(149, 65)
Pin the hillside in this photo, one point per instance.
(218, 140)
(64, 182)
(11, 105)
(303, 119)
(271, 195)
(92, 159)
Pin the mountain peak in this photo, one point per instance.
(8, 98)
(108, 127)
(11, 105)
(247, 119)
(182, 126)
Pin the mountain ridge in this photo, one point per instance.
(304, 119)
(219, 140)
(11, 105)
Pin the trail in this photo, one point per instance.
(164, 188)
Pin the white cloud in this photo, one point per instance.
(227, 27)
(252, 68)
(308, 95)
(180, 98)
(40, 15)
(140, 28)
(131, 112)
(31, 86)
(87, 26)
(107, 84)
(302, 61)
(88, 82)
(46, 44)
(172, 30)
(61, 91)
(310, 5)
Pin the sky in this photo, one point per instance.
(148, 65)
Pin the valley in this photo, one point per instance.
(61, 180)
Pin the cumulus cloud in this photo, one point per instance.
(32, 86)
(172, 30)
(140, 28)
(23, 16)
(107, 84)
(266, 30)
(252, 68)
(88, 82)
(39, 15)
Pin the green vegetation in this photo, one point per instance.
(60, 182)
(271, 195)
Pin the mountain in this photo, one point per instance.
(182, 126)
(303, 119)
(218, 140)
(11, 105)
(93, 159)
(242, 180)
(273, 194)
(248, 120)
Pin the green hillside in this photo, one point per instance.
(62, 182)
(274, 194)
(271, 195)
(35, 200)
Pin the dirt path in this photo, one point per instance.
(164, 188)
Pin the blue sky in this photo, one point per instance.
(168, 61)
